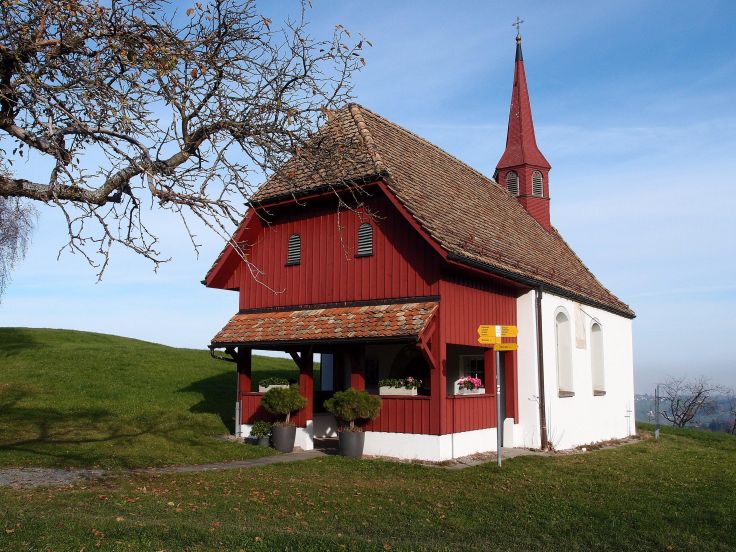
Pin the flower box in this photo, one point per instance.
(262, 389)
(384, 390)
(477, 391)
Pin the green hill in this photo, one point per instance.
(71, 398)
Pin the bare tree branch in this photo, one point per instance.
(684, 399)
(135, 104)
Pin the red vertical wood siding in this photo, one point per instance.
(403, 415)
(469, 412)
(402, 264)
(252, 411)
(467, 303)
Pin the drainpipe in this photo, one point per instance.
(540, 370)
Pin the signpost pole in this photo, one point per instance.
(499, 423)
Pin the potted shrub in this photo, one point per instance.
(269, 383)
(282, 401)
(349, 407)
(260, 432)
(402, 386)
(470, 386)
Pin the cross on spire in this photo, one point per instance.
(517, 24)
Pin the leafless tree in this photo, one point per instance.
(684, 398)
(16, 223)
(730, 403)
(132, 107)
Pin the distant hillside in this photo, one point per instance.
(70, 398)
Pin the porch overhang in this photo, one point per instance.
(327, 326)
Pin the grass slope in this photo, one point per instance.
(72, 398)
(678, 494)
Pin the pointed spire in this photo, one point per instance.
(522, 169)
(521, 143)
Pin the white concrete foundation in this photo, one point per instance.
(304, 435)
(435, 448)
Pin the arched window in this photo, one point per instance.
(294, 250)
(537, 184)
(596, 359)
(563, 338)
(365, 240)
(512, 182)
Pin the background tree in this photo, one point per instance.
(131, 107)
(730, 402)
(16, 223)
(685, 398)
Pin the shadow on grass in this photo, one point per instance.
(218, 392)
(14, 341)
(218, 397)
(51, 432)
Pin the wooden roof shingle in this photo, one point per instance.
(468, 214)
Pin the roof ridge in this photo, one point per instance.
(432, 145)
(367, 137)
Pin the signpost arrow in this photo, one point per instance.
(506, 347)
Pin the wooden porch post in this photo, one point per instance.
(244, 363)
(439, 422)
(357, 368)
(306, 381)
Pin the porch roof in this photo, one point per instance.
(355, 323)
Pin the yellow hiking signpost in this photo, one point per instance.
(487, 330)
(491, 334)
(506, 347)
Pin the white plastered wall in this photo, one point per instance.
(585, 418)
(527, 434)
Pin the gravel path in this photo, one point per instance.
(21, 478)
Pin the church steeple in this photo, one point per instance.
(522, 169)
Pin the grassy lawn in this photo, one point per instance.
(678, 494)
(81, 399)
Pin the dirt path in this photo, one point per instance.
(57, 477)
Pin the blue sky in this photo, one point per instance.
(635, 108)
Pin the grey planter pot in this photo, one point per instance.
(283, 438)
(264, 442)
(351, 443)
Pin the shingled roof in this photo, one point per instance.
(403, 320)
(469, 215)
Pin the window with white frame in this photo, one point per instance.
(596, 359)
(563, 354)
(473, 366)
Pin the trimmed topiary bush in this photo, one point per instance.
(282, 401)
(352, 405)
(260, 430)
(273, 381)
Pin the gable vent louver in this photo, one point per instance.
(512, 183)
(294, 254)
(537, 184)
(365, 240)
